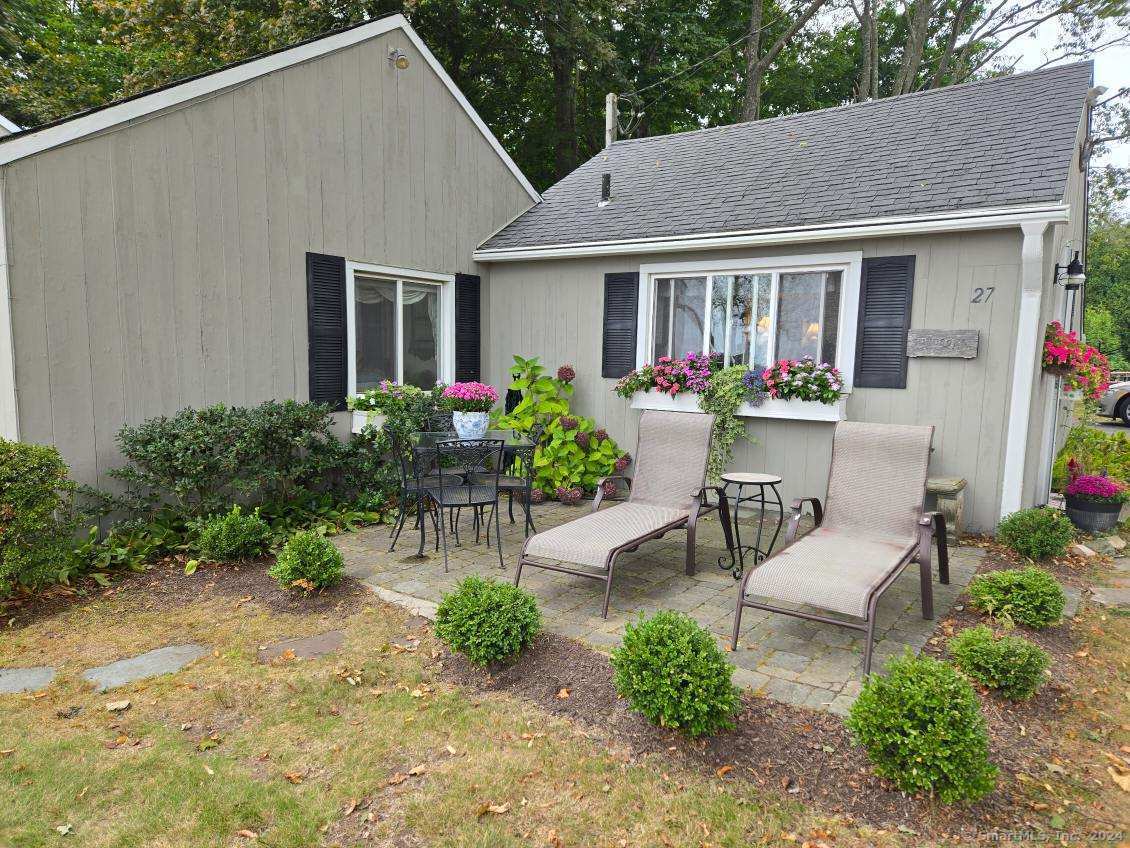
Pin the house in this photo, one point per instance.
(7, 127)
(837, 233)
(306, 223)
(188, 246)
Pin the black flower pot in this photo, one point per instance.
(1092, 516)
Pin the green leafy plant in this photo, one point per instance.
(726, 392)
(1010, 664)
(1028, 596)
(233, 535)
(673, 672)
(37, 521)
(1037, 533)
(308, 561)
(922, 728)
(487, 621)
(1092, 451)
(573, 451)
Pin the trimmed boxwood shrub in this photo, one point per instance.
(1011, 664)
(36, 517)
(486, 620)
(922, 728)
(1037, 533)
(672, 671)
(1028, 596)
(233, 535)
(308, 561)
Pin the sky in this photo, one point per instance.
(1112, 69)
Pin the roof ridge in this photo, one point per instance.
(882, 101)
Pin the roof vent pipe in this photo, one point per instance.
(605, 189)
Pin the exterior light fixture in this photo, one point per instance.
(398, 58)
(1071, 275)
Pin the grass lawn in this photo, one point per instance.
(372, 745)
(364, 746)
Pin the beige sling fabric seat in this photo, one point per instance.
(668, 492)
(874, 527)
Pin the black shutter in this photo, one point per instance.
(621, 295)
(325, 321)
(885, 297)
(467, 328)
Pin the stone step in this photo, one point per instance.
(150, 664)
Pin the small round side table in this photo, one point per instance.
(762, 482)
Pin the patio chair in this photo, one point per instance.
(477, 490)
(874, 526)
(518, 478)
(418, 472)
(667, 493)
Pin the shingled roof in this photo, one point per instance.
(1001, 142)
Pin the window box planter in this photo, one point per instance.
(796, 410)
(361, 419)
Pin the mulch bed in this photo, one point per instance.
(166, 585)
(805, 754)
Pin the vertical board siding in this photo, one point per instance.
(554, 310)
(162, 264)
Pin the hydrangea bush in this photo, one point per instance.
(469, 397)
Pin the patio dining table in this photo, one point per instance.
(514, 446)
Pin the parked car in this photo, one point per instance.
(1116, 402)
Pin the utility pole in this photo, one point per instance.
(611, 119)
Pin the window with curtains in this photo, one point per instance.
(395, 329)
(752, 318)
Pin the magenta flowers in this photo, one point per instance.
(1092, 487)
(470, 397)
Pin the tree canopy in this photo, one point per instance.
(538, 70)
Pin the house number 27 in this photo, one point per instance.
(982, 295)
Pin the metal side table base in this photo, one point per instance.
(742, 479)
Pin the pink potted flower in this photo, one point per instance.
(470, 405)
(1094, 503)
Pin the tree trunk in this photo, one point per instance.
(563, 62)
(944, 60)
(753, 67)
(864, 90)
(917, 29)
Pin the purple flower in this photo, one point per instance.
(568, 422)
(1091, 486)
(609, 488)
(600, 435)
(623, 462)
(566, 374)
(582, 440)
(537, 496)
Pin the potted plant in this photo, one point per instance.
(470, 405)
(1094, 502)
(1081, 366)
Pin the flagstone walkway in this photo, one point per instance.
(792, 660)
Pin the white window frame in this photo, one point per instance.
(849, 263)
(446, 285)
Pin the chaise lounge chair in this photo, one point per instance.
(873, 528)
(667, 493)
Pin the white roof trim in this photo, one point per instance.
(9, 126)
(969, 219)
(36, 141)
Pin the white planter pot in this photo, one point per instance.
(797, 410)
(368, 418)
(470, 425)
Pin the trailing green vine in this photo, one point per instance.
(723, 395)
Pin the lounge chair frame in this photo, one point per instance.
(931, 525)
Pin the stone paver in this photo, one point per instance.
(150, 664)
(790, 659)
(303, 647)
(13, 680)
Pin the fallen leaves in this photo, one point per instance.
(724, 770)
(563, 693)
(247, 834)
(487, 808)
(294, 776)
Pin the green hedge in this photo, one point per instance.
(37, 523)
(487, 621)
(1010, 664)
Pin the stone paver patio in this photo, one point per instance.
(789, 659)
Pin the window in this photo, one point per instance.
(753, 311)
(399, 327)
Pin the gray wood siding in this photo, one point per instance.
(161, 265)
(552, 309)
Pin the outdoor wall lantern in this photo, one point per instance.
(1071, 275)
(398, 58)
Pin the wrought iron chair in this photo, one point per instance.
(519, 477)
(418, 472)
(478, 489)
